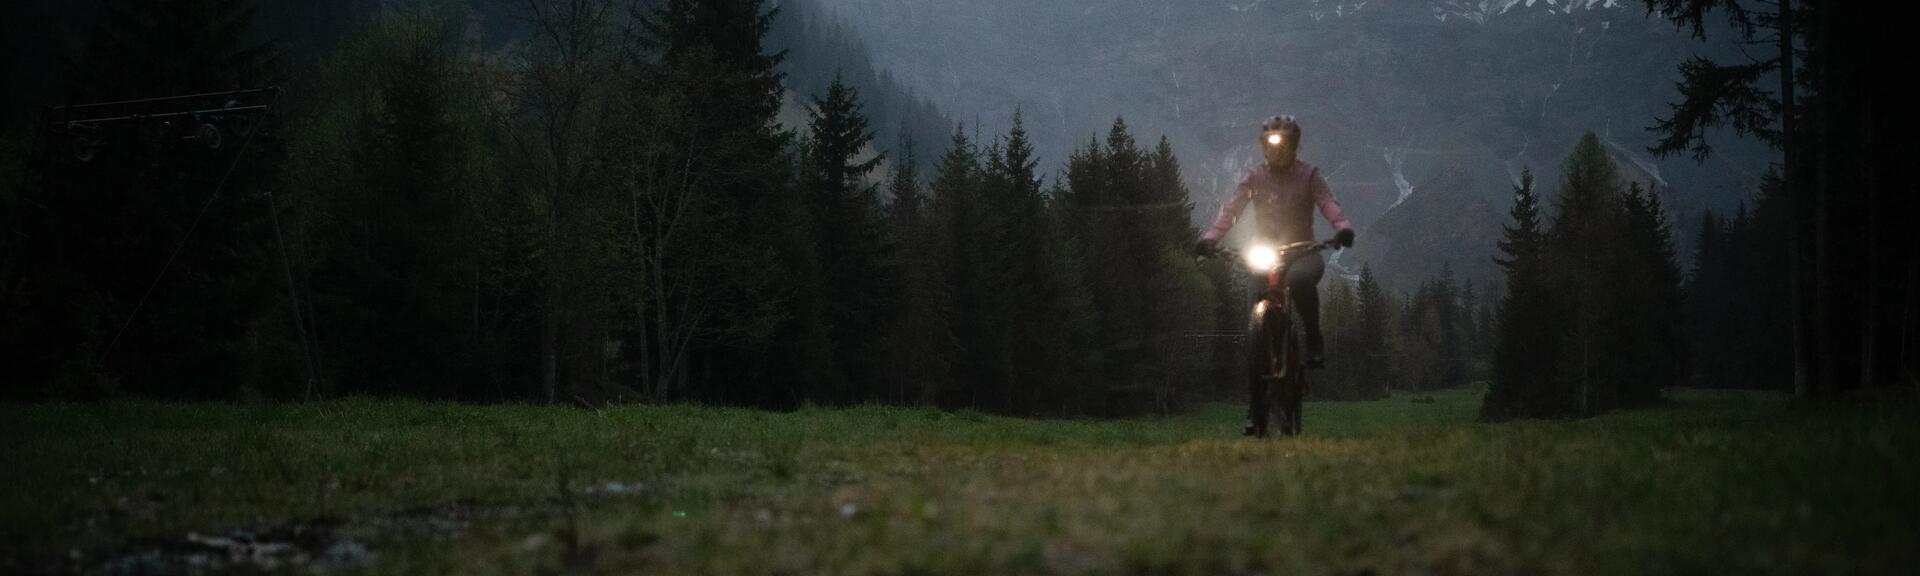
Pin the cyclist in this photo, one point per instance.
(1284, 190)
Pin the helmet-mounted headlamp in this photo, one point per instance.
(1278, 129)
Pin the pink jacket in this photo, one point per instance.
(1284, 201)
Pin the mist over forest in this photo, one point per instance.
(1421, 115)
(1444, 97)
(1393, 94)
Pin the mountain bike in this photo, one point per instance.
(1275, 363)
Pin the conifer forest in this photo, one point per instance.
(851, 286)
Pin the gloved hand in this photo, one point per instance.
(1206, 247)
(1344, 238)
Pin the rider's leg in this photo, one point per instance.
(1256, 367)
(1256, 396)
(1303, 282)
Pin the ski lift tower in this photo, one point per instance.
(210, 122)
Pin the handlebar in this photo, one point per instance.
(1288, 252)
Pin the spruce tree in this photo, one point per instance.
(920, 344)
(1762, 261)
(1343, 377)
(990, 291)
(1028, 250)
(1704, 297)
(957, 212)
(1600, 304)
(1126, 209)
(1652, 343)
(1376, 307)
(1450, 320)
(1167, 200)
(1121, 251)
(1184, 297)
(859, 283)
(1740, 267)
(1582, 248)
(1469, 322)
(380, 161)
(1525, 382)
(1486, 323)
(1076, 334)
(1432, 334)
(764, 339)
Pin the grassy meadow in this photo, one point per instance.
(1709, 482)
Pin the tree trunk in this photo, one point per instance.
(1585, 377)
(1890, 256)
(1907, 321)
(603, 362)
(293, 297)
(1801, 240)
(1834, 143)
(1869, 311)
(1909, 248)
(550, 346)
(680, 373)
(644, 341)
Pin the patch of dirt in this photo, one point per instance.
(317, 546)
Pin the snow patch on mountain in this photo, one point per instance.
(1396, 162)
(1480, 11)
(1639, 158)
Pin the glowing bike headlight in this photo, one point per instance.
(1262, 258)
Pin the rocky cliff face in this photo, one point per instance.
(1449, 224)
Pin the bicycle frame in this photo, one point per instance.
(1276, 367)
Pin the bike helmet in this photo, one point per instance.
(1284, 124)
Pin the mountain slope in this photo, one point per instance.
(1449, 224)
(1391, 94)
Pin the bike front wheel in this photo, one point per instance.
(1276, 373)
